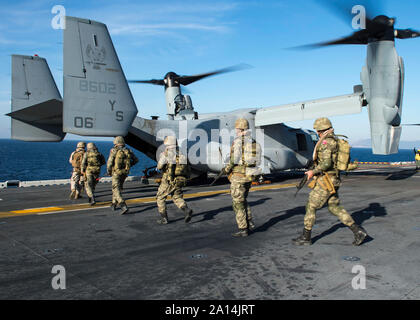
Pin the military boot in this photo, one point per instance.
(359, 234)
(92, 201)
(251, 224)
(77, 195)
(241, 233)
(163, 218)
(304, 238)
(73, 194)
(113, 206)
(124, 209)
(188, 214)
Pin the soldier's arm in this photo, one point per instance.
(162, 161)
(71, 158)
(232, 159)
(84, 163)
(110, 162)
(325, 153)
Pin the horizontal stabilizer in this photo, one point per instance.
(341, 105)
(37, 108)
(97, 99)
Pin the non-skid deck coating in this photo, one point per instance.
(109, 256)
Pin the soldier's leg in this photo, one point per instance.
(73, 185)
(121, 201)
(336, 209)
(161, 202)
(249, 218)
(116, 190)
(77, 184)
(316, 200)
(237, 191)
(178, 199)
(89, 185)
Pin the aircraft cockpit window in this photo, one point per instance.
(301, 142)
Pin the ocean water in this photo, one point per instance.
(28, 161)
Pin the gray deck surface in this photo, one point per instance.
(109, 256)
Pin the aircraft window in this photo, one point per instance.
(301, 142)
(95, 40)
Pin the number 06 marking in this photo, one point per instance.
(80, 122)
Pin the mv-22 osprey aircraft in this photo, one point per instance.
(97, 100)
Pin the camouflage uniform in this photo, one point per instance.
(76, 180)
(91, 168)
(245, 157)
(120, 160)
(325, 173)
(417, 158)
(175, 170)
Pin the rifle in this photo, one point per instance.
(221, 173)
(304, 180)
(301, 184)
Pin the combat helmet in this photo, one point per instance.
(91, 146)
(322, 124)
(119, 141)
(81, 145)
(242, 124)
(169, 141)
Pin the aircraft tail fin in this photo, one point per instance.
(97, 99)
(37, 107)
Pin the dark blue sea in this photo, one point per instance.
(28, 161)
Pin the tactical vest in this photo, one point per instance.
(250, 158)
(76, 160)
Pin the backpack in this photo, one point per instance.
(343, 156)
(76, 159)
(182, 169)
(94, 159)
(252, 158)
(122, 161)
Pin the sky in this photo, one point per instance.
(190, 37)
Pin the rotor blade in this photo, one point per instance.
(186, 80)
(412, 124)
(153, 81)
(359, 37)
(406, 33)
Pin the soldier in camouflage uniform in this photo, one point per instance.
(76, 180)
(176, 171)
(245, 157)
(417, 158)
(120, 160)
(91, 168)
(326, 174)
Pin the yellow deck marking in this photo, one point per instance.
(86, 206)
